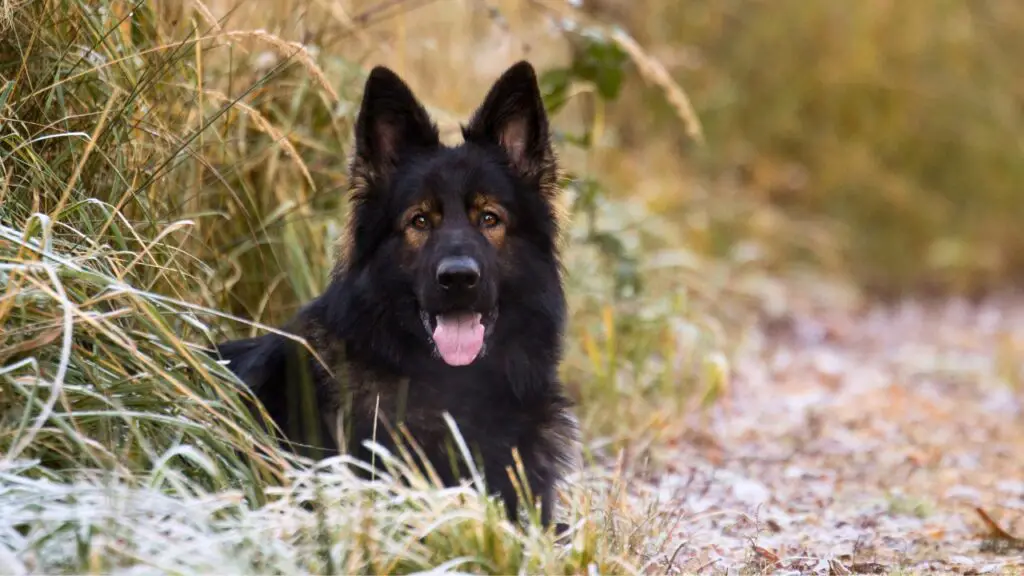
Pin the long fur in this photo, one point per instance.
(378, 358)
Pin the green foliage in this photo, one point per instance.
(596, 60)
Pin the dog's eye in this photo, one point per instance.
(489, 220)
(420, 222)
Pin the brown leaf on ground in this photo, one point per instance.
(995, 530)
(998, 540)
(767, 556)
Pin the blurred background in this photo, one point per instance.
(876, 139)
(873, 140)
(713, 150)
(172, 172)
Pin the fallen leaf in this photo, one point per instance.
(995, 530)
(767, 554)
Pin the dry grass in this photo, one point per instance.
(170, 173)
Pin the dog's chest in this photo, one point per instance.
(480, 402)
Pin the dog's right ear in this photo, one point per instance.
(391, 123)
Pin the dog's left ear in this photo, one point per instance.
(512, 116)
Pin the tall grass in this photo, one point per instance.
(173, 173)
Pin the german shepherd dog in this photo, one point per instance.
(447, 298)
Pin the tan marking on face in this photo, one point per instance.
(483, 209)
(416, 234)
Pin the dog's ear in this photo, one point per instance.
(391, 123)
(512, 116)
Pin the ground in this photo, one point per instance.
(857, 440)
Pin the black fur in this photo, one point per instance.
(372, 325)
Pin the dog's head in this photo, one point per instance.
(449, 234)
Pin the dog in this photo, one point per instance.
(447, 297)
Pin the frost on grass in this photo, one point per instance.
(97, 374)
(326, 520)
(127, 450)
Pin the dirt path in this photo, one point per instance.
(861, 442)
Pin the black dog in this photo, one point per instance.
(447, 298)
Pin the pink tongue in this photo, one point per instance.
(459, 338)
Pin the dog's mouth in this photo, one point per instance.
(459, 337)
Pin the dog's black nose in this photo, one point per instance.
(458, 273)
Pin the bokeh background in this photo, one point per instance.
(877, 139)
(173, 172)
